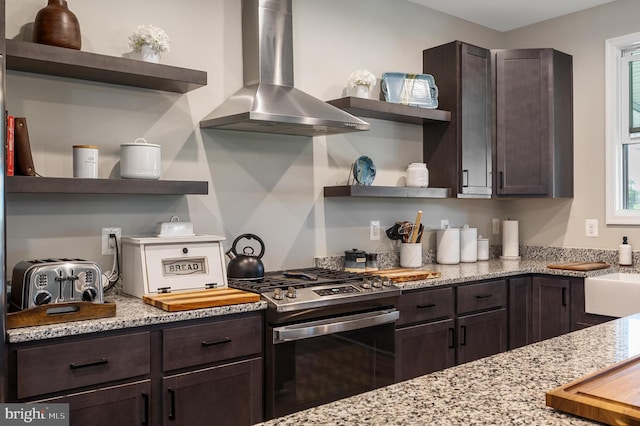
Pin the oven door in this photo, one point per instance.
(316, 362)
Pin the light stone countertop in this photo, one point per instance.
(133, 312)
(504, 389)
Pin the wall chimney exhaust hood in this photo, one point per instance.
(268, 102)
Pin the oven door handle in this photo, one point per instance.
(305, 330)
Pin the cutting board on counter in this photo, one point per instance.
(187, 300)
(399, 275)
(579, 266)
(610, 396)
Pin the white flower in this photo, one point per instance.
(153, 36)
(361, 77)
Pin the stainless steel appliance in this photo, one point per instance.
(330, 334)
(268, 102)
(45, 281)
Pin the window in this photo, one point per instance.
(622, 58)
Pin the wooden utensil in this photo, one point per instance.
(610, 396)
(579, 266)
(416, 227)
(187, 300)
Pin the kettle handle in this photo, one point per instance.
(249, 237)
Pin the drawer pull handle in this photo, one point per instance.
(172, 404)
(145, 412)
(463, 329)
(452, 341)
(564, 296)
(428, 305)
(216, 342)
(101, 361)
(484, 296)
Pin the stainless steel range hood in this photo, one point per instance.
(268, 102)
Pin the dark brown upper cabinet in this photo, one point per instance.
(533, 122)
(459, 154)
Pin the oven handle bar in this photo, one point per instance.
(305, 330)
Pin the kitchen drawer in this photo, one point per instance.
(200, 344)
(52, 368)
(425, 305)
(478, 297)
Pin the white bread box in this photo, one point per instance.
(152, 265)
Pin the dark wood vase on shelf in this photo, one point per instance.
(56, 25)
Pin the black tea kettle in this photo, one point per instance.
(245, 266)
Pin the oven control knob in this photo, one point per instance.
(89, 294)
(366, 284)
(42, 298)
(277, 294)
(292, 293)
(377, 283)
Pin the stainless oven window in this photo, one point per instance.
(313, 371)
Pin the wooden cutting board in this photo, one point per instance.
(399, 275)
(187, 300)
(610, 396)
(579, 266)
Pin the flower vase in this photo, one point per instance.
(56, 25)
(148, 54)
(363, 91)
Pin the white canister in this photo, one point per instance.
(85, 161)
(448, 246)
(411, 255)
(417, 175)
(140, 160)
(468, 244)
(483, 248)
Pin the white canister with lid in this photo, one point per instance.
(448, 246)
(417, 175)
(468, 244)
(140, 160)
(483, 248)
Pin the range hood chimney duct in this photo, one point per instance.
(268, 102)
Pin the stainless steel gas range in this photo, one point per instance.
(330, 334)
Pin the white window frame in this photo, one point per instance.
(616, 128)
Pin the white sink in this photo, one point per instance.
(616, 294)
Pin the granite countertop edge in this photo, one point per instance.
(132, 312)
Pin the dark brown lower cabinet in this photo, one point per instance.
(124, 405)
(425, 348)
(481, 335)
(551, 307)
(224, 395)
(201, 372)
(520, 312)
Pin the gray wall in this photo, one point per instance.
(272, 185)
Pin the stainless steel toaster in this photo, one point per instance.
(48, 281)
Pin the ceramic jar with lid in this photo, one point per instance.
(417, 175)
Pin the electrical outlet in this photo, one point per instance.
(108, 244)
(444, 223)
(496, 225)
(374, 230)
(591, 227)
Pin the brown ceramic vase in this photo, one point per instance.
(56, 25)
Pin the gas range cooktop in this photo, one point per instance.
(309, 288)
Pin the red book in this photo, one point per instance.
(10, 156)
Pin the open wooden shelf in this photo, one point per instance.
(385, 191)
(44, 185)
(392, 112)
(63, 62)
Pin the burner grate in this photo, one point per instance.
(276, 279)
